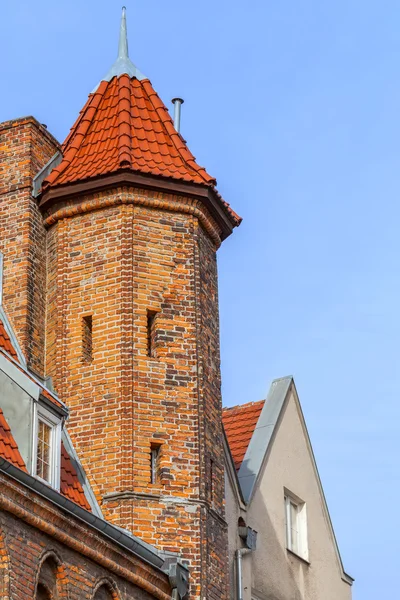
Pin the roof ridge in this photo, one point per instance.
(243, 405)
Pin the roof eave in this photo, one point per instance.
(206, 193)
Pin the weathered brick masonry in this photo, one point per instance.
(39, 543)
(111, 284)
(25, 147)
(117, 263)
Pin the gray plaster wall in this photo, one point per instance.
(17, 406)
(272, 572)
(234, 510)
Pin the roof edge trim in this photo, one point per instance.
(262, 435)
(204, 192)
(44, 172)
(129, 542)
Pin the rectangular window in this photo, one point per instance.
(47, 446)
(151, 332)
(296, 526)
(154, 462)
(87, 338)
(43, 454)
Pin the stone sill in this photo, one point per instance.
(303, 560)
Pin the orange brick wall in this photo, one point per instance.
(25, 147)
(116, 264)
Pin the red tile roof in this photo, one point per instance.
(8, 447)
(239, 424)
(70, 485)
(5, 342)
(125, 125)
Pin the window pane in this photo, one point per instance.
(294, 528)
(295, 541)
(43, 450)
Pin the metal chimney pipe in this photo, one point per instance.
(177, 102)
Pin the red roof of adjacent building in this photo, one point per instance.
(5, 342)
(70, 485)
(8, 447)
(239, 424)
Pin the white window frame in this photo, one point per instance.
(300, 525)
(46, 416)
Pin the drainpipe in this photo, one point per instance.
(239, 583)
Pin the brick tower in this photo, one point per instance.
(132, 328)
(25, 147)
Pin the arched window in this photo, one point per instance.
(105, 592)
(42, 593)
(47, 588)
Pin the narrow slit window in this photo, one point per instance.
(151, 332)
(154, 462)
(87, 338)
(211, 479)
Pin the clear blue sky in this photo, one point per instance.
(295, 108)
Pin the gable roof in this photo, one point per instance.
(261, 441)
(239, 424)
(70, 486)
(262, 435)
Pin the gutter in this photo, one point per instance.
(128, 542)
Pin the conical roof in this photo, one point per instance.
(124, 126)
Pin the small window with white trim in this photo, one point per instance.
(296, 525)
(47, 447)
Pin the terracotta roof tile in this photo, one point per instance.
(239, 424)
(125, 125)
(5, 342)
(8, 447)
(70, 486)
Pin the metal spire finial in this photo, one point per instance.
(123, 37)
(123, 65)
